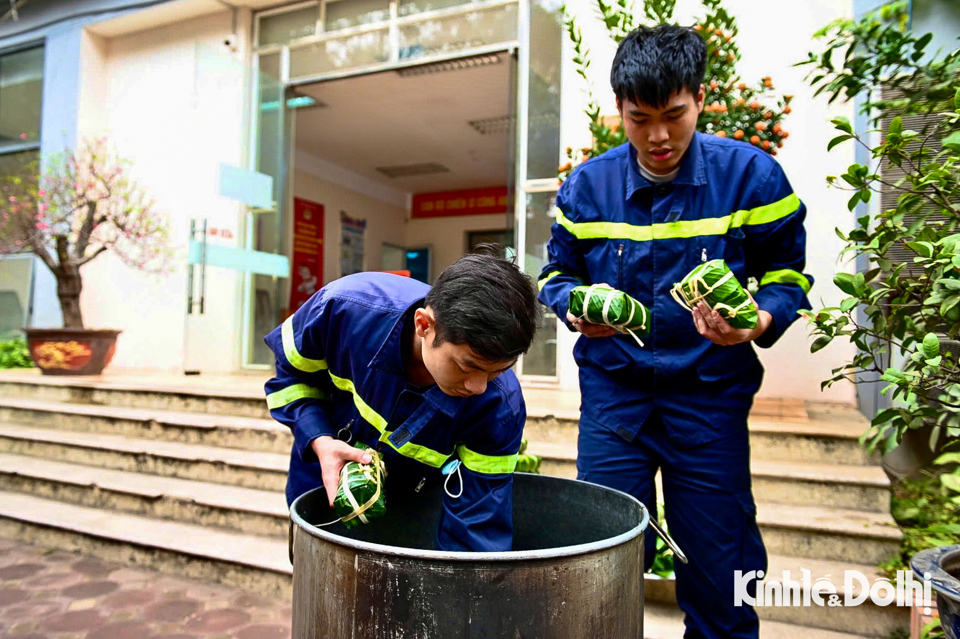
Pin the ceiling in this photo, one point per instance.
(393, 119)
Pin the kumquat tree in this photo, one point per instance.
(752, 113)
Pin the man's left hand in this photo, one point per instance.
(711, 325)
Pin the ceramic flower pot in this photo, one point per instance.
(71, 351)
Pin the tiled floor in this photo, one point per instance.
(47, 593)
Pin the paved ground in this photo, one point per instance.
(51, 594)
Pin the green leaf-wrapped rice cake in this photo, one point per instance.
(360, 496)
(714, 284)
(599, 304)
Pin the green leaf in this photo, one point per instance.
(952, 142)
(948, 304)
(820, 343)
(930, 346)
(922, 248)
(854, 200)
(896, 126)
(838, 140)
(842, 124)
(951, 482)
(849, 304)
(845, 282)
(892, 375)
(947, 458)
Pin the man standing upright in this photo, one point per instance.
(639, 218)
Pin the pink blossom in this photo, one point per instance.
(23, 136)
(41, 193)
(42, 207)
(42, 226)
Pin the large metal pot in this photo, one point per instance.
(576, 570)
(943, 566)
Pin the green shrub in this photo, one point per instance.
(15, 354)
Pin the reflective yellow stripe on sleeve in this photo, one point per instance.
(487, 464)
(291, 394)
(422, 454)
(297, 360)
(542, 282)
(684, 228)
(786, 276)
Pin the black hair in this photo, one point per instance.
(653, 63)
(485, 301)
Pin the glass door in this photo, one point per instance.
(538, 144)
(267, 293)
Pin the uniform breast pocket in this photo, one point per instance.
(727, 247)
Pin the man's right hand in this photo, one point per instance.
(333, 455)
(589, 329)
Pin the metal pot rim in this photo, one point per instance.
(930, 561)
(453, 556)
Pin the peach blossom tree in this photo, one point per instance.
(70, 208)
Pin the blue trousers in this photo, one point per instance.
(709, 510)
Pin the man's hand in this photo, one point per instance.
(589, 329)
(711, 325)
(333, 455)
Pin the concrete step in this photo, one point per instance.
(243, 510)
(186, 427)
(134, 393)
(832, 534)
(864, 619)
(665, 621)
(853, 487)
(262, 471)
(255, 564)
(837, 486)
(826, 438)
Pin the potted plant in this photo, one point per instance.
(68, 209)
(902, 310)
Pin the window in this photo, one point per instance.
(281, 28)
(21, 92)
(351, 13)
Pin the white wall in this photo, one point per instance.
(448, 236)
(176, 109)
(385, 222)
(770, 44)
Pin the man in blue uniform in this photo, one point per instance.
(639, 218)
(421, 374)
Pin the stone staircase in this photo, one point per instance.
(191, 482)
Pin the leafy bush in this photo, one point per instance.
(15, 354)
(898, 312)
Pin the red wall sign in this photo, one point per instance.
(307, 271)
(486, 201)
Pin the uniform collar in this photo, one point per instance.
(389, 359)
(692, 169)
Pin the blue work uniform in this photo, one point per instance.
(680, 403)
(340, 364)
